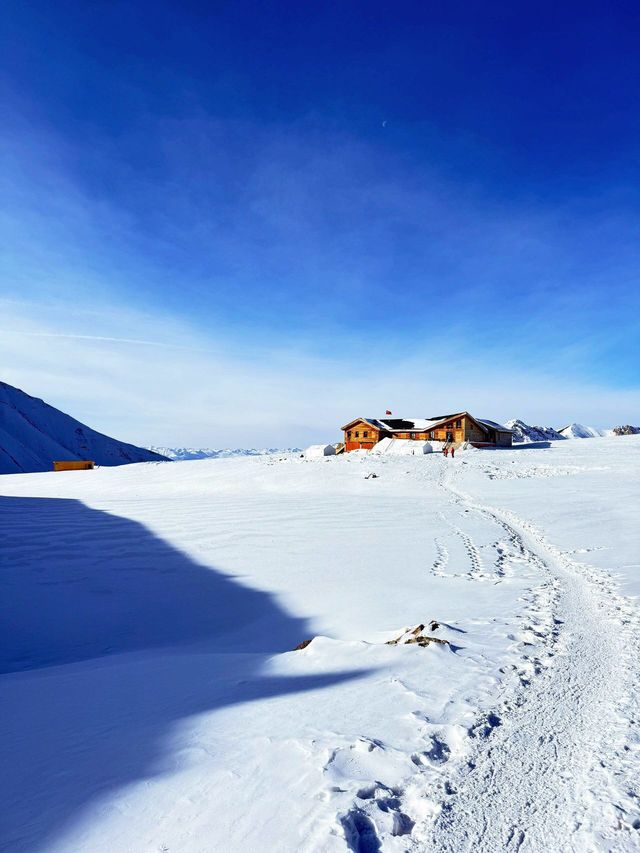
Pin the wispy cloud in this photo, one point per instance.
(253, 285)
(194, 396)
(162, 344)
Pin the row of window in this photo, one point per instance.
(365, 434)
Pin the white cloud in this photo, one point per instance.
(173, 386)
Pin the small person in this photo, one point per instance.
(453, 451)
(446, 451)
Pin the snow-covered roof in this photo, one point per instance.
(494, 425)
(421, 424)
(412, 424)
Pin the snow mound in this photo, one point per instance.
(34, 434)
(580, 431)
(188, 454)
(524, 433)
(402, 447)
(319, 451)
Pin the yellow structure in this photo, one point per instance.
(73, 465)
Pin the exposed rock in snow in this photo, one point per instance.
(34, 434)
(187, 454)
(522, 432)
(581, 431)
(626, 430)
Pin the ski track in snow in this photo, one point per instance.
(554, 764)
(547, 760)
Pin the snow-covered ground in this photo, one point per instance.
(151, 699)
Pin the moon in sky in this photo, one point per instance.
(384, 123)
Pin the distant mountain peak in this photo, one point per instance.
(523, 432)
(581, 431)
(187, 454)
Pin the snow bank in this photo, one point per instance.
(318, 451)
(402, 447)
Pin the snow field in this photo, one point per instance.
(189, 725)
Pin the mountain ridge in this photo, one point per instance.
(33, 434)
(188, 454)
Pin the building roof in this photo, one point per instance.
(423, 424)
(403, 424)
(494, 425)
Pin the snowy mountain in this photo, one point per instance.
(523, 433)
(581, 431)
(187, 454)
(34, 434)
(626, 430)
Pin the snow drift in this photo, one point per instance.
(319, 451)
(33, 434)
(402, 447)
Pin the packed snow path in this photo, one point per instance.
(151, 702)
(541, 776)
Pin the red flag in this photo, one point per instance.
(388, 412)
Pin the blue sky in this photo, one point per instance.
(283, 215)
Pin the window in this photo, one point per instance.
(357, 435)
(431, 436)
(413, 435)
(458, 424)
(365, 434)
(349, 434)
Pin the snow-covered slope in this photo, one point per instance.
(187, 454)
(171, 714)
(581, 431)
(523, 432)
(34, 434)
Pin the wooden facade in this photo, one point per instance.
(73, 465)
(361, 435)
(364, 433)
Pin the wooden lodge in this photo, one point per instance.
(364, 433)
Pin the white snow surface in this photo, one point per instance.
(151, 701)
(402, 447)
(34, 434)
(319, 451)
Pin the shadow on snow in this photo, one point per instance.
(96, 593)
